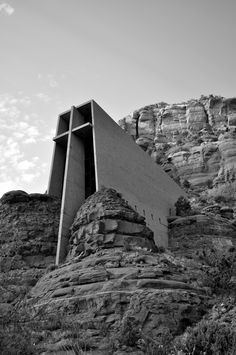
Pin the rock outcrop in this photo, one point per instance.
(193, 236)
(198, 136)
(28, 241)
(116, 280)
(105, 220)
(116, 293)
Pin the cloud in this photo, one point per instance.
(10, 152)
(49, 79)
(44, 97)
(23, 133)
(25, 165)
(49, 135)
(30, 140)
(29, 177)
(25, 101)
(52, 81)
(6, 9)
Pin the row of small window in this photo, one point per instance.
(144, 213)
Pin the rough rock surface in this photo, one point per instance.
(116, 293)
(198, 136)
(192, 236)
(105, 221)
(28, 239)
(114, 275)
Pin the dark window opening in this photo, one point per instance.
(60, 162)
(90, 182)
(63, 123)
(86, 112)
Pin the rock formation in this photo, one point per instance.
(28, 241)
(191, 236)
(114, 274)
(117, 293)
(198, 136)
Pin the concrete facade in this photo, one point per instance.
(92, 151)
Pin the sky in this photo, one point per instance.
(124, 54)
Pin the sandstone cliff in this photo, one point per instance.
(198, 137)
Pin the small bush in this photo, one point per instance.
(208, 338)
(161, 345)
(22, 330)
(15, 338)
(209, 183)
(219, 276)
(224, 193)
(129, 333)
(186, 184)
(183, 207)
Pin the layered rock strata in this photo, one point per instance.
(114, 275)
(116, 293)
(107, 221)
(193, 236)
(198, 136)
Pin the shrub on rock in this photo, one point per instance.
(183, 207)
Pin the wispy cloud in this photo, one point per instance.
(29, 177)
(44, 97)
(25, 165)
(50, 79)
(6, 9)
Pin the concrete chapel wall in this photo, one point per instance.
(85, 134)
(124, 166)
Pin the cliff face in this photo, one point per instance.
(198, 136)
(28, 230)
(28, 241)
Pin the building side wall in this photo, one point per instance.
(73, 192)
(122, 165)
(57, 171)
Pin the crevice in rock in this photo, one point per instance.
(136, 127)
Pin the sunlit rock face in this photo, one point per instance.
(199, 135)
